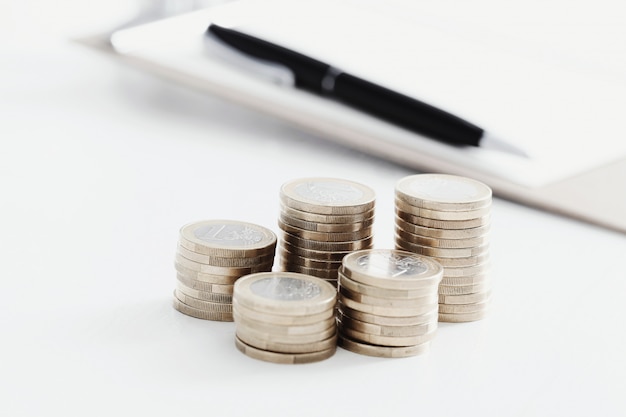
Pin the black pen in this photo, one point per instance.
(324, 79)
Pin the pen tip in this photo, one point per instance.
(490, 141)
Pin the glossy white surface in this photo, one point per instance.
(100, 165)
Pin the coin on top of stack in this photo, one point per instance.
(285, 317)
(447, 217)
(388, 302)
(322, 220)
(210, 257)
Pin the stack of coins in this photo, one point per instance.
(388, 302)
(285, 317)
(447, 217)
(210, 257)
(322, 220)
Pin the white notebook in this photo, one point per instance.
(532, 79)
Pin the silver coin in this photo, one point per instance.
(285, 293)
(321, 255)
(315, 272)
(202, 304)
(242, 327)
(325, 227)
(317, 328)
(326, 246)
(388, 311)
(204, 295)
(326, 236)
(274, 346)
(227, 238)
(443, 192)
(223, 270)
(389, 302)
(441, 233)
(378, 319)
(207, 278)
(442, 252)
(329, 219)
(442, 215)
(379, 340)
(382, 351)
(462, 262)
(388, 268)
(467, 271)
(375, 291)
(463, 317)
(288, 358)
(461, 281)
(289, 258)
(464, 289)
(443, 224)
(282, 319)
(441, 243)
(389, 331)
(463, 308)
(205, 286)
(478, 297)
(224, 262)
(199, 313)
(327, 196)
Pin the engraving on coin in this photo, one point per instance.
(285, 289)
(228, 234)
(328, 192)
(392, 264)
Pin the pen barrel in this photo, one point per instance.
(405, 111)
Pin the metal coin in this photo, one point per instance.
(442, 243)
(463, 317)
(273, 346)
(389, 268)
(443, 192)
(284, 338)
(326, 246)
(285, 293)
(327, 196)
(202, 304)
(390, 331)
(467, 271)
(333, 256)
(381, 351)
(288, 258)
(224, 262)
(204, 295)
(227, 238)
(281, 319)
(326, 236)
(478, 297)
(288, 358)
(326, 227)
(387, 311)
(386, 340)
(389, 302)
(222, 270)
(388, 320)
(202, 277)
(271, 329)
(462, 262)
(205, 286)
(443, 224)
(464, 289)
(463, 281)
(441, 233)
(315, 272)
(442, 252)
(441, 215)
(199, 313)
(326, 218)
(463, 308)
(384, 292)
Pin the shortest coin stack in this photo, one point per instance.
(447, 217)
(285, 317)
(210, 257)
(388, 303)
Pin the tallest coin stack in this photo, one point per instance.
(447, 217)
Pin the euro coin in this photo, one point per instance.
(286, 358)
(441, 215)
(463, 308)
(463, 317)
(282, 319)
(464, 281)
(224, 262)
(443, 192)
(326, 227)
(384, 292)
(388, 302)
(441, 233)
(274, 346)
(327, 196)
(375, 329)
(285, 293)
(326, 236)
(199, 313)
(463, 289)
(442, 243)
(326, 246)
(251, 321)
(329, 219)
(386, 340)
(204, 286)
(204, 295)
(387, 311)
(202, 304)
(442, 252)
(413, 320)
(381, 351)
(222, 270)
(478, 297)
(444, 224)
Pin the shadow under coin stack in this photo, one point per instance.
(447, 217)
(285, 317)
(211, 256)
(322, 220)
(388, 303)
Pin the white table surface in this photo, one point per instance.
(100, 165)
